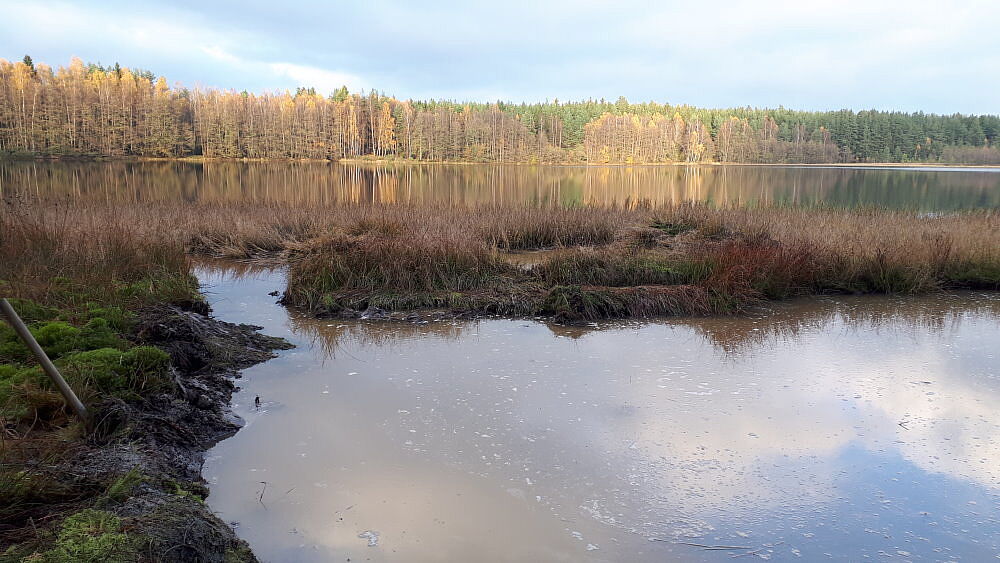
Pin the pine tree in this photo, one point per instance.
(30, 64)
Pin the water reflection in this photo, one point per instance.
(331, 337)
(329, 183)
(784, 322)
(767, 327)
(852, 427)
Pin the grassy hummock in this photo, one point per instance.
(684, 260)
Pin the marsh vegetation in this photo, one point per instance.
(613, 261)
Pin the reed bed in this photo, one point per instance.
(640, 262)
(349, 257)
(65, 257)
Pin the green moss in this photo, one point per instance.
(92, 357)
(109, 370)
(104, 371)
(59, 338)
(101, 368)
(32, 312)
(8, 342)
(146, 359)
(116, 318)
(92, 536)
(13, 374)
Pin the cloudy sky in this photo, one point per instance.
(937, 56)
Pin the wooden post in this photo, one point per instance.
(29, 340)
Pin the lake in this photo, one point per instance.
(922, 189)
(840, 428)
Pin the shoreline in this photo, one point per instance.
(405, 162)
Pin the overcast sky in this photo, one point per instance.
(937, 56)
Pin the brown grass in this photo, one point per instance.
(64, 256)
(706, 260)
(348, 256)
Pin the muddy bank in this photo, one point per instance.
(134, 485)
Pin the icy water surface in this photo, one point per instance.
(831, 429)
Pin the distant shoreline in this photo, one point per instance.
(404, 162)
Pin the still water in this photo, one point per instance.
(923, 189)
(834, 428)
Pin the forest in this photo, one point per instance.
(90, 110)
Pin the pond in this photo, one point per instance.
(314, 183)
(832, 428)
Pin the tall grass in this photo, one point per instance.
(351, 256)
(624, 263)
(65, 256)
(867, 250)
(342, 271)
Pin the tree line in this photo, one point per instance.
(94, 110)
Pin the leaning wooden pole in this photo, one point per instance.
(29, 340)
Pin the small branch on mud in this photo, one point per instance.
(260, 499)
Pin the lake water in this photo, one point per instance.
(924, 189)
(845, 429)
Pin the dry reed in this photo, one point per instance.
(409, 256)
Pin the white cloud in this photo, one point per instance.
(135, 39)
(220, 54)
(325, 81)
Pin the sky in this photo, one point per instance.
(912, 55)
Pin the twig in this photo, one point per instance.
(719, 547)
(261, 498)
(704, 546)
(758, 550)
